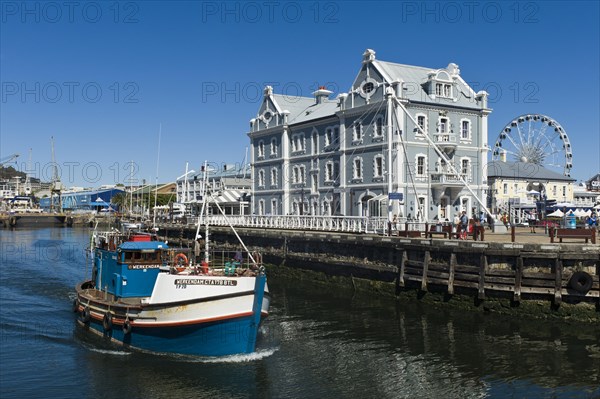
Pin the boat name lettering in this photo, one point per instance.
(138, 267)
(204, 282)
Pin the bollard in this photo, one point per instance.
(512, 233)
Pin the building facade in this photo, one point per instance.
(403, 141)
(229, 185)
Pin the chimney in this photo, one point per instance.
(321, 94)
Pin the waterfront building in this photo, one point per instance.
(517, 187)
(229, 185)
(84, 200)
(404, 140)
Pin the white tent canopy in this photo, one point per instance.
(557, 213)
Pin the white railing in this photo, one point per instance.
(348, 224)
(343, 224)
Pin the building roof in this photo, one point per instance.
(414, 78)
(304, 109)
(523, 171)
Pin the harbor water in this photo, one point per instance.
(318, 342)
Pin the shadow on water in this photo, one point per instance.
(460, 351)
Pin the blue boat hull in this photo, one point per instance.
(221, 338)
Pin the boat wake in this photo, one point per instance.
(240, 358)
(111, 352)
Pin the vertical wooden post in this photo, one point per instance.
(451, 273)
(402, 267)
(558, 271)
(512, 233)
(551, 234)
(425, 268)
(593, 235)
(483, 263)
(518, 278)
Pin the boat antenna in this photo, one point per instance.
(156, 179)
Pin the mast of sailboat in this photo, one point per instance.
(156, 179)
(201, 217)
(131, 189)
(28, 176)
(389, 154)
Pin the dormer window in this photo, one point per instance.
(368, 87)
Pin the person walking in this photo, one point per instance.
(464, 224)
(532, 221)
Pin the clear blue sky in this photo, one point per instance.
(101, 77)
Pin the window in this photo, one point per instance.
(273, 146)
(443, 125)
(378, 166)
(465, 167)
(298, 175)
(314, 143)
(274, 177)
(357, 169)
(554, 190)
(378, 127)
(261, 149)
(420, 165)
(465, 129)
(273, 207)
(422, 122)
(447, 90)
(357, 131)
(328, 136)
(261, 207)
(329, 171)
(564, 191)
(261, 178)
(314, 183)
(505, 189)
(438, 89)
(368, 87)
(298, 143)
(326, 208)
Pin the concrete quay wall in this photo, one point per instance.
(549, 280)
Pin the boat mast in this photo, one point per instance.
(156, 179)
(28, 177)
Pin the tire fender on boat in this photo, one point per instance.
(85, 315)
(127, 327)
(107, 322)
(581, 282)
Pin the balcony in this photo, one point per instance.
(445, 141)
(445, 179)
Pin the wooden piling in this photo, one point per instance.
(451, 274)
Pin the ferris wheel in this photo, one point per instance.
(536, 139)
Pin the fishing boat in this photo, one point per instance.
(146, 295)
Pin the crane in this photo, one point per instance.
(8, 159)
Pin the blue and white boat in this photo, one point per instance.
(144, 294)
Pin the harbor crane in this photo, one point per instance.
(8, 159)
